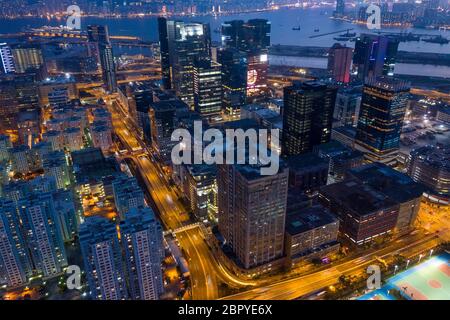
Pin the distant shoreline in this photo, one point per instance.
(437, 59)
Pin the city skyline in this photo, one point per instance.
(95, 203)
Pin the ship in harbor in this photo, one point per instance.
(296, 28)
(437, 39)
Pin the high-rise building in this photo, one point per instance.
(15, 262)
(252, 211)
(346, 109)
(200, 187)
(383, 107)
(163, 121)
(307, 116)
(207, 88)
(430, 165)
(252, 38)
(43, 236)
(102, 257)
(55, 165)
(127, 195)
(98, 36)
(339, 63)
(182, 44)
(234, 79)
(6, 59)
(374, 56)
(340, 8)
(142, 243)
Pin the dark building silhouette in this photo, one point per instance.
(307, 116)
(374, 56)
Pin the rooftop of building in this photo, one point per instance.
(387, 83)
(307, 219)
(396, 185)
(305, 162)
(359, 198)
(433, 155)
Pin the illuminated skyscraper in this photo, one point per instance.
(374, 56)
(252, 210)
(253, 38)
(182, 44)
(307, 116)
(98, 37)
(381, 116)
(234, 79)
(207, 88)
(142, 243)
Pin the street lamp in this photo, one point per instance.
(431, 252)
(407, 264)
(420, 257)
(395, 268)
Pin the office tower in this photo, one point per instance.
(102, 257)
(55, 165)
(430, 165)
(164, 52)
(380, 122)
(182, 44)
(340, 8)
(307, 116)
(207, 88)
(15, 263)
(252, 210)
(6, 59)
(99, 36)
(348, 103)
(199, 183)
(142, 243)
(43, 235)
(234, 79)
(397, 186)
(374, 56)
(252, 38)
(339, 63)
(163, 121)
(363, 212)
(127, 195)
